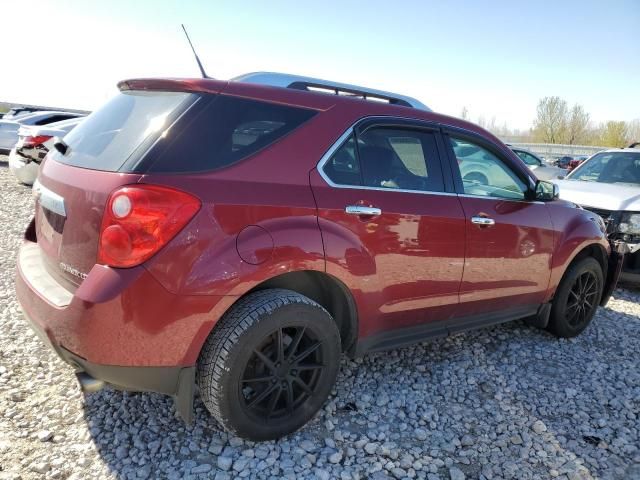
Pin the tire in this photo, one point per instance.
(577, 298)
(256, 390)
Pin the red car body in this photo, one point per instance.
(419, 269)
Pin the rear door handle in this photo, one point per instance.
(362, 210)
(483, 221)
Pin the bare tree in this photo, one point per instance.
(577, 126)
(633, 131)
(614, 134)
(550, 125)
(464, 114)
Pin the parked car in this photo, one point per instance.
(576, 161)
(33, 145)
(563, 162)
(9, 128)
(537, 165)
(16, 112)
(241, 235)
(608, 184)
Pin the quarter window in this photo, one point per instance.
(484, 174)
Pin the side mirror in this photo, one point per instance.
(547, 191)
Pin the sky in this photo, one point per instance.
(497, 59)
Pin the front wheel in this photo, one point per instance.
(577, 298)
(269, 364)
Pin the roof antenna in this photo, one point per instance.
(204, 75)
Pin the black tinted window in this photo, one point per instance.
(224, 131)
(400, 159)
(342, 168)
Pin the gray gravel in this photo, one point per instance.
(507, 402)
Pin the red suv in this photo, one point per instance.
(241, 235)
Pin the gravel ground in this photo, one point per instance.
(506, 402)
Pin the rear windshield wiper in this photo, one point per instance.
(61, 146)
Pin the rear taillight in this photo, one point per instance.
(30, 141)
(141, 219)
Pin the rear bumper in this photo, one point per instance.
(118, 317)
(120, 326)
(175, 381)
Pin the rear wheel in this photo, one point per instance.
(577, 298)
(269, 364)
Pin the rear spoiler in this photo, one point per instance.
(195, 85)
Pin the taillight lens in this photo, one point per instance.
(30, 141)
(139, 220)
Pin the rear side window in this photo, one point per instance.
(388, 158)
(225, 131)
(55, 118)
(108, 137)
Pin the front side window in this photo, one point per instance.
(484, 174)
(388, 158)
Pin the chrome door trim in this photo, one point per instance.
(482, 221)
(362, 210)
(49, 199)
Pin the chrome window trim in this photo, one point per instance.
(467, 195)
(343, 138)
(338, 143)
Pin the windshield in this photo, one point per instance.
(610, 167)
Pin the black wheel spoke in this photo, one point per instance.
(310, 366)
(259, 398)
(303, 385)
(290, 400)
(266, 378)
(266, 360)
(296, 341)
(575, 295)
(273, 402)
(280, 345)
(308, 351)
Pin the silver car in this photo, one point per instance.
(538, 166)
(608, 184)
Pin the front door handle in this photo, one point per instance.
(483, 221)
(363, 210)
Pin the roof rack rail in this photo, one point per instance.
(318, 85)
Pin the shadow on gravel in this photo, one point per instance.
(510, 401)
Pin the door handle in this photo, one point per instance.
(483, 221)
(362, 210)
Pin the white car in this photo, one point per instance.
(608, 184)
(9, 128)
(33, 145)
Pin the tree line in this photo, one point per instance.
(558, 122)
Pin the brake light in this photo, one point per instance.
(141, 219)
(30, 141)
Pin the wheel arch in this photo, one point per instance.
(327, 291)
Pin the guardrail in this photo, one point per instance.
(554, 150)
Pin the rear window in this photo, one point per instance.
(125, 126)
(223, 131)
